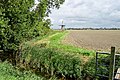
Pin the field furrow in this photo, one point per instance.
(94, 39)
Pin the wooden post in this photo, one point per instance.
(112, 64)
(96, 63)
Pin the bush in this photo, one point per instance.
(52, 62)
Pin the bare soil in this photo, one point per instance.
(101, 40)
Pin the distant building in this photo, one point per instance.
(62, 26)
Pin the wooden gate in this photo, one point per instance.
(110, 67)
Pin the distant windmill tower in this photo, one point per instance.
(62, 26)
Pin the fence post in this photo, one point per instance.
(112, 64)
(96, 63)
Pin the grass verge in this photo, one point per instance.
(48, 59)
(55, 42)
(8, 72)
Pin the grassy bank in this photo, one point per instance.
(49, 54)
(8, 72)
(54, 40)
(49, 58)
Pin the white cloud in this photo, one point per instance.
(88, 13)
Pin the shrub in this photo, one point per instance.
(52, 62)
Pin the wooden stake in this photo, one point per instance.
(112, 64)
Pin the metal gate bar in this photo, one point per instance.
(111, 65)
(97, 64)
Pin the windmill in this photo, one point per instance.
(62, 26)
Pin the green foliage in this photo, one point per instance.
(19, 22)
(89, 67)
(8, 72)
(52, 62)
(88, 70)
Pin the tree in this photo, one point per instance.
(18, 23)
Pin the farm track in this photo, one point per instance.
(93, 39)
(45, 40)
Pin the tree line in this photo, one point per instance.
(92, 28)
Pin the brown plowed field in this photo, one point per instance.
(93, 39)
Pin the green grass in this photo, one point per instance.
(39, 38)
(55, 42)
(8, 72)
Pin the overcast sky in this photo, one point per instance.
(87, 13)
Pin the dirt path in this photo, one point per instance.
(45, 40)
